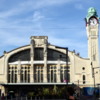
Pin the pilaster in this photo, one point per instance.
(32, 61)
(58, 71)
(19, 71)
(45, 62)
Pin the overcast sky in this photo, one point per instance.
(61, 20)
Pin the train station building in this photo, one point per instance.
(43, 64)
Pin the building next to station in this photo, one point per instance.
(41, 63)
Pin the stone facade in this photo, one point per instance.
(43, 63)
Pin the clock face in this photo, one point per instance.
(93, 21)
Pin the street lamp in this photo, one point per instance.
(93, 75)
(66, 65)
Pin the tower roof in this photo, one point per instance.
(91, 12)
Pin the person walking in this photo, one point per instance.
(2, 97)
(70, 94)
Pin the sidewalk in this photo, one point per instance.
(88, 98)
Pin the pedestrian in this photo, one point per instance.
(71, 98)
(70, 91)
(2, 97)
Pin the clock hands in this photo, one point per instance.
(93, 21)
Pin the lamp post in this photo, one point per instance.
(66, 61)
(93, 75)
(67, 77)
(99, 91)
(66, 64)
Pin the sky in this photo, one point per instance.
(61, 20)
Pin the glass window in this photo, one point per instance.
(55, 55)
(22, 55)
(84, 79)
(38, 73)
(51, 72)
(38, 54)
(64, 74)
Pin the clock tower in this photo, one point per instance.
(92, 28)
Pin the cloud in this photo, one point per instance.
(12, 39)
(44, 3)
(66, 42)
(78, 46)
(79, 6)
(37, 16)
(29, 5)
(10, 12)
(19, 22)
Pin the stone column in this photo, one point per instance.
(32, 61)
(19, 71)
(58, 72)
(5, 68)
(45, 62)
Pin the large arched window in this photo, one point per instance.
(55, 55)
(22, 55)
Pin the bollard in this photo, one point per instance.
(39, 98)
(31, 98)
(35, 98)
(11, 98)
(16, 97)
(21, 98)
(43, 98)
(26, 97)
(6, 98)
